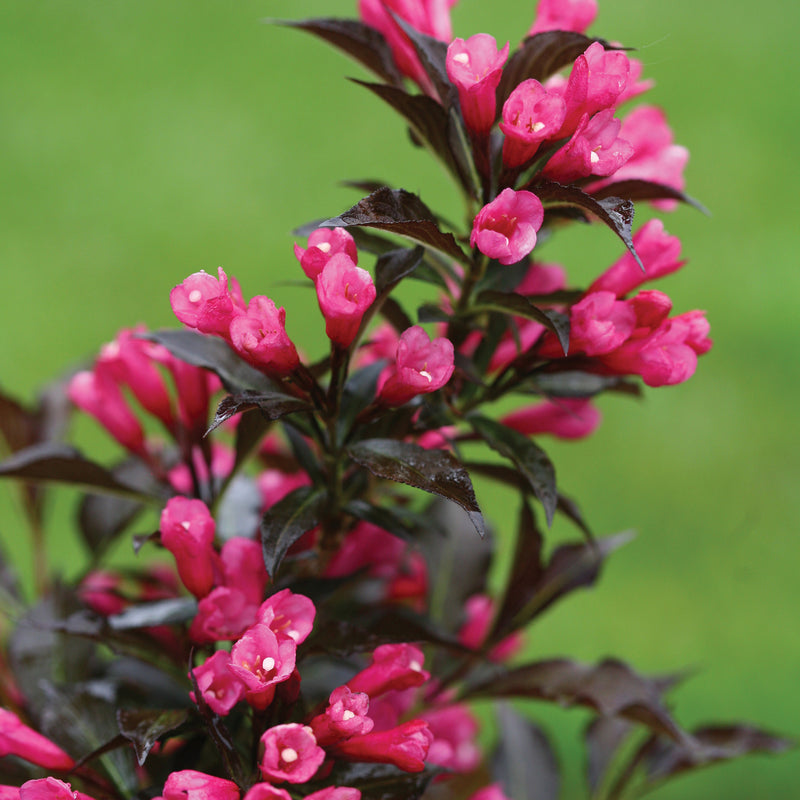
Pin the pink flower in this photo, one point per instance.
(563, 417)
(393, 667)
(48, 789)
(260, 337)
(220, 689)
(594, 149)
(17, 739)
(274, 485)
(475, 67)
(505, 228)
(697, 333)
(243, 568)
(335, 793)
(266, 791)
(290, 753)
(405, 746)
(454, 729)
(206, 303)
(491, 792)
(98, 395)
(345, 292)
(421, 366)
(660, 255)
(188, 784)
(564, 15)
(531, 114)
(225, 613)
(288, 615)
(260, 661)
(323, 245)
(345, 716)
(187, 531)
(479, 613)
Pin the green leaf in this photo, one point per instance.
(287, 521)
(528, 458)
(434, 471)
(520, 306)
(143, 728)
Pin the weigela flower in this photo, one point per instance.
(207, 303)
(187, 531)
(289, 615)
(479, 613)
(421, 366)
(323, 245)
(335, 793)
(221, 690)
(290, 753)
(563, 15)
(405, 746)
(48, 789)
(260, 661)
(243, 568)
(454, 729)
(345, 292)
(492, 792)
(260, 337)
(475, 67)
(563, 417)
(266, 791)
(17, 739)
(393, 667)
(505, 229)
(345, 716)
(531, 114)
(224, 614)
(189, 784)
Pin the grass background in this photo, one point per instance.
(140, 142)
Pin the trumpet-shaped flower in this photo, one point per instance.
(531, 114)
(345, 292)
(505, 229)
(220, 689)
(563, 15)
(260, 337)
(189, 784)
(207, 303)
(323, 245)
(17, 739)
(290, 753)
(405, 746)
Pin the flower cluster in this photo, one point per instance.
(317, 619)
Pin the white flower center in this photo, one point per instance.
(538, 126)
(594, 158)
(195, 296)
(288, 755)
(324, 246)
(425, 374)
(461, 58)
(347, 714)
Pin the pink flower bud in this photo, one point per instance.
(221, 690)
(243, 568)
(454, 729)
(594, 149)
(290, 753)
(323, 245)
(564, 418)
(17, 739)
(697, 333)
(49, 789)
(491, 792)
(405, 746)
(564, 15)
(288, 615)
(266, 791)
(660, 255)
(260, 337)
(421, 366)
(475, 67)
(188, 784)
(206, 303)
(479, 612)
(531, 114)
(187, 531)
(393, 667)
(260, 661)
(345, 716)
(98, 395)
(505, 228)
(345, 292)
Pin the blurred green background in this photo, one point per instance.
(140, 142)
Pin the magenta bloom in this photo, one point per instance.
(531, 114)
(206, 303)
(393, 667)
(505, 229)
(243, 568)
(260, 337)
(421, 366)
(563, 15)
(17, 739)
(260, 661)
(48, 789)
(187, 531)
(454, 729)
(335, 793)
(660, 255)
(290, 753)
(323, 245)
(345, 716)
(594, 149)
(98, 395)
(564, 418)
(266, 791)
(288, 615)
(220, 689)
(345, 292)
(405, 746)
(475, 67)
(188, 784)
(491, 792)
(224, 614)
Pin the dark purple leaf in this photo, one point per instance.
(60, 463)
(397, 521)
(528, 457)
(357, 40)
(432, 55)
(569, 508)
(520, 306)
(541, 56)
(212, 353)
(575, 383)
(19, 426)
(392, 267)
(645, 190)
(287, 521)
(380, 781)
(615, 212)
(434, 471)
(604, 738)
(302, 452)
(159, 612)
(272, 405)
(143, 728)
(403, 213)
(431, 312)
(240, 508)
(524, 760)
(250, 430)
(610, 688)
